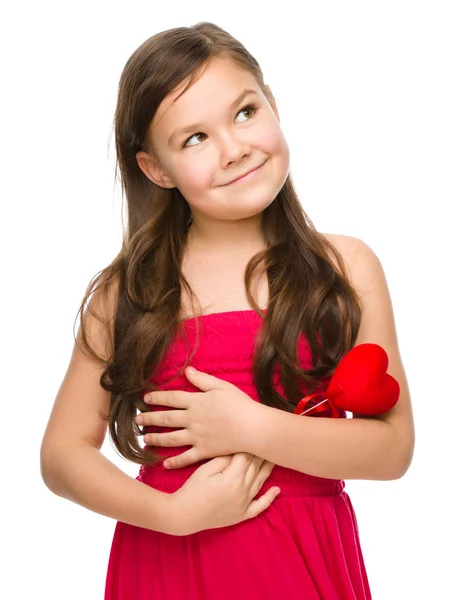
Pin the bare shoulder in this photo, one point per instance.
(362, 263)
(366, 275)
(343, 242)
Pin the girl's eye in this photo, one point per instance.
(186, 144)
(247, 109)
(251, 108)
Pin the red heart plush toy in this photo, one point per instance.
(360, 385)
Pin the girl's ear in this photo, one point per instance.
(153, 171)
(272, 101)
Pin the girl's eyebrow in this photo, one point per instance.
(197, 126)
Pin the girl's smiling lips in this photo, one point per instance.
(248, 175)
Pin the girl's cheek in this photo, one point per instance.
(198, 176)
(195, 180)
(272, 139)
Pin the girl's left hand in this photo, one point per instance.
(216, 422)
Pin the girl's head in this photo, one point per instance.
(184, 131)
(194, 115)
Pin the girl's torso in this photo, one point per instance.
(228, 328)
(226, 341)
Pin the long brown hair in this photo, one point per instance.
(309, 291)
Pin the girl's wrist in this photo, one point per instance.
(166, 515)
(254, 432)
(177, 516)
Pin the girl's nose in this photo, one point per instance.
(233, 150)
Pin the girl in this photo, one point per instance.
(221, 268)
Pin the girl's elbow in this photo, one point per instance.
(405, 466)
(49, 467)
(401, 452)
(402, 463)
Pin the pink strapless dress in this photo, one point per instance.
(305, 546)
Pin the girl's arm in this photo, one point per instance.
(219, 493)
(71, 462)
(363, 447)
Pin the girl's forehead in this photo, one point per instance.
(219, 75)
(218, 85)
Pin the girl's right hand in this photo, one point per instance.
(221, 492)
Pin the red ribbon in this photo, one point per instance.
(316, 398)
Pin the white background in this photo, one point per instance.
(370, 98)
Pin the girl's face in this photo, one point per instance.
(205, 140)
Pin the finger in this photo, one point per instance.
(174, 398)
(182, 437)
(259, 505)
(163, 418)
(204, 381)
(189, 457)
(250, 474)
(260, 478)
(256, 463)
(253, 470)
(240, 463)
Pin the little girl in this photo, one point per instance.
(237, 497)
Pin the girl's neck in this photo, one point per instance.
(233, 240)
